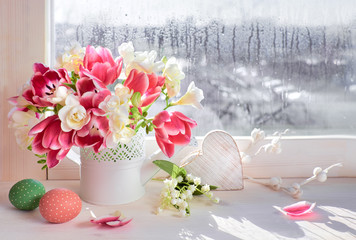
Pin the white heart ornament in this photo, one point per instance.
(218, 163)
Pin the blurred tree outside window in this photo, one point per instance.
(267, 64)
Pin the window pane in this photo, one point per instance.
(268, 64)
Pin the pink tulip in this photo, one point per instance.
(43, 85)
(93, 134)
(88, 82)
(148, 85)
(100, 63)
(172, 129)
(49, 138)
(91, 100)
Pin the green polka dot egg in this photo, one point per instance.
(26, 194)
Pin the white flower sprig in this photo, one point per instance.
(181, 188)
(295, 189)
(319, 174)
(275, 183)
(258, 135)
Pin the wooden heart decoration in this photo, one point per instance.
(218, 162)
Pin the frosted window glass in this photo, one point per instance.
(268, 64)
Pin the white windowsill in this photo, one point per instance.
(300, 155)
(245, 214)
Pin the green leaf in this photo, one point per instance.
(57, 108)
(33, 108)
(41, 161)
(145, 109)
(44, 167)
(136, 99)
(41, 156)
(172, 169)
(74, 77)
(71, 85)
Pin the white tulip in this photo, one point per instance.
(124, 93)
(60, 95)
(23, 122)
(142, 61)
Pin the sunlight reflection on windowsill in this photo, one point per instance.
(325, 223)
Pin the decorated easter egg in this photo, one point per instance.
(26, 194)
(60, 205)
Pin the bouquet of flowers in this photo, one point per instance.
(72, 105)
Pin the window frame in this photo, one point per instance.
(300, 153)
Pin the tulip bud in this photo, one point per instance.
(136, 99)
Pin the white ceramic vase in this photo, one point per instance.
(113, 176)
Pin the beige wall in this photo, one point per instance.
(22, 32)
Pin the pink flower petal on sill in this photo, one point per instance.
(118, 223)
(110, 220)
(105, 219)
(298, 209)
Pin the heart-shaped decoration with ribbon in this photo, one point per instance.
(218, 163)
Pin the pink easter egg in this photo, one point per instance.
(60, 205)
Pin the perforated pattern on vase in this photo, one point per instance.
(130, 151)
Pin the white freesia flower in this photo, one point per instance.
(123, 136)
(127, 52)
(113, 105)
(23, 122)
(117, 108)
(60, 95)
(124, 93)
(257, 135)
(72, 58)
(174, 75)
(142, 61)
(193, 97)
(73, 115)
